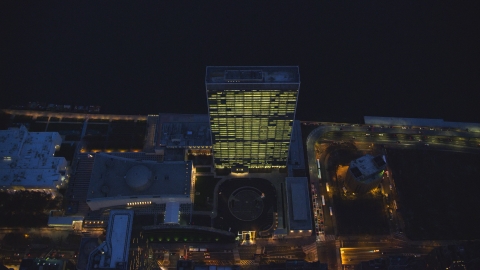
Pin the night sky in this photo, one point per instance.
(356, 58)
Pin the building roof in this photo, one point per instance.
(299, 214)
(420, 122)
(183, 131)
(113, 253)
(172, 211)
(252, 74)
(26, 158)
(139, 177)
(118, 236)
(63, 221)
(366, 165)
(114, 176)
(296, 155)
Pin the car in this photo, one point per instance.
(207, 257)
(398, 141)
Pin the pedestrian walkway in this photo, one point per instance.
(400, 236)
(236, 256)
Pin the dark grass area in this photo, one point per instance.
(201, 220)
(203, 169)
(38, 127)
(438, 193)
(200, 159)
(115, 136)
(97, 129)
(67, 119)
(22, 119)
(204, 186)
(42, 118)
(65, 129)
(94, 142)
(67, 150)
(5, 120)
(363, 215)
(26, 208)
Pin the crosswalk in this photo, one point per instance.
(329, 237)
(323, 238)
(400, 236)
(247, 262)
(311, 249)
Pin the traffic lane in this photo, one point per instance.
(288, 251)
(357, 255)
(218, 256)
(354, 255)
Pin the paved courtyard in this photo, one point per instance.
(245, 204)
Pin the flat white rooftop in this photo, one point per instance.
(113, 252)
(119, 239)
(20, 142)
(171, 213)
(26, 159)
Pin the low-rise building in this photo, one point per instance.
(187, 132)
(28, 162)
(299, 221)
(365, 173)
(118, 181)
(114, 251)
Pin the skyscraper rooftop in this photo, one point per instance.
(252, 74)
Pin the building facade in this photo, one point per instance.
(251, 113)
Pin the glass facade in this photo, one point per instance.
(251, 123)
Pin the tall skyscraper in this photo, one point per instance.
(251, 113)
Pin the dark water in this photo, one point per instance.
(365, 58)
